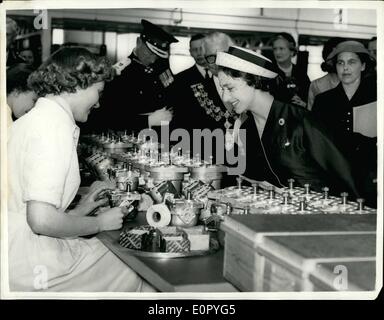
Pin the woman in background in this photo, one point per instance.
(20, 98)
(350, 112)
(46, 250)
(330, 80)
(293, 83)
(282, 140)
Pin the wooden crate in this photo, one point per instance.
(305, 255)
(250, 266)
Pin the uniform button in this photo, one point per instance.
(347, 120)
(155, 82)
(349, 113)
(348, 129)
(141, 92)
(159, 95)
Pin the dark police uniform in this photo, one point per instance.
(294, 145)
(138, 90)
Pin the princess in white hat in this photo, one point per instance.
(280, 140)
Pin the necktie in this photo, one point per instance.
(206, 74)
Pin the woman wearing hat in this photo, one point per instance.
(46, 251)
(330, 80)
(349, 110)
(293, 83)
(282, 141)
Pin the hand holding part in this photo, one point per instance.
(110, 220)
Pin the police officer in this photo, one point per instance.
(137, 98)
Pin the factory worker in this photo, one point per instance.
(46, 249)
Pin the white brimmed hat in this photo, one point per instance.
(248, 61)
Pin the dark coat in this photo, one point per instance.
(294, 145)
(287, 87)
(335, 110)
(14, 58)
(128, 97)
(199, 105)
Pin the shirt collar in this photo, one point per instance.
(202, 70)
(64, 105)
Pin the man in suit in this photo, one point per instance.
(199, 107)
(136, 99)
(199, 94)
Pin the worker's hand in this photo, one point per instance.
(297, 100)
(94, 199)
(162, 115)
(99, 184)
(110, 220)
(145, 202)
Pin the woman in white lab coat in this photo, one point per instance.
(46, 250)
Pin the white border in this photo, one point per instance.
(99, 4)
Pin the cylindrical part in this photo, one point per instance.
(208, 174)
(169, 173)
(290, 183)
(360, 202)
(344, 196)
(303, 204)
(228, 209)
(325, 190)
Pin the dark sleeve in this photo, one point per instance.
(304, 87)
(316, 104)
(118, 110)
(329, 156)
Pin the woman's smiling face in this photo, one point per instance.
(236, 92)
(84, 100)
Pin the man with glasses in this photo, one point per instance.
(200, 104)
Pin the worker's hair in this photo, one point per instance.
(69, 69)
(17, 78)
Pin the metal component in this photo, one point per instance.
(239, 181)
(271, 194)
(228, 208)
(285, 198)
(360, 202)
(344, 196)
(302, 204)
(325, 194)
(307, 188)
(208, 174)
(290, 182)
